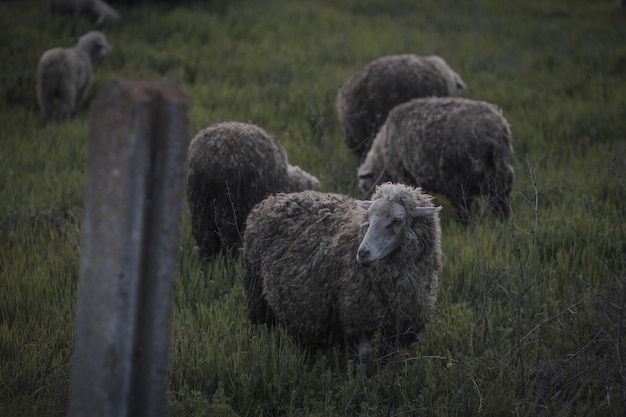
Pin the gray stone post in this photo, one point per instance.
(137, 144)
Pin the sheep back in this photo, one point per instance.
(300, 256)
(230, 167)
(98, 11)
(369, 94)
(457, 147)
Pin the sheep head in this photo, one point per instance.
(454, 80)
(369, 178)
(300, 180)
(95, 45)
(388, 221)
(373, 171)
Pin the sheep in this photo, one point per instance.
(99, 11)
(230, 167)
(338, 271)
(458, 147)
(366, 98)
(67, 74)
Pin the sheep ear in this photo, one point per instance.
(364, 204)
(459, 82)
(424, 211)
(367, 174)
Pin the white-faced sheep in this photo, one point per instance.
(231, 167)
(369, 94)
(336, 271)
(67, 74)
(99, 11)
(457, 147)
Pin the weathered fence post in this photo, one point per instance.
(137, 145)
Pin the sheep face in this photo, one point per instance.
(388, 222)
(95, 45)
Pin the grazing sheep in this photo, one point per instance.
(67, 74)
(457, 147)
(231, 167)
(367, 97)
(335, 271)
(99, 11)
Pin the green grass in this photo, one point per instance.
(531, 312)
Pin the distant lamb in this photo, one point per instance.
(336, 271)
(67, 74)
(457, 147)
(367, 97)
(231, 167)
(99, 11)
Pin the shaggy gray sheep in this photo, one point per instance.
(367, 97)
(457, 147)
(230, 167)
(336, 271)
(67, 74)
(99, 11)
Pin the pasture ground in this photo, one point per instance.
(531, 312)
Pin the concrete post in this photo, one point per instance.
(137, 144)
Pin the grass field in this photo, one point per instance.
(531, 312)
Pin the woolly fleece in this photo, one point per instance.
(300, 256)
(458, 147)
(67, 74)
(369, 94)
(230, 167)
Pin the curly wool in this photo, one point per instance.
(458, 147)
(300, 255)
(67, 74)
(230, 167)
(367, 97)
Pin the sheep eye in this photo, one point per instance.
(398, 221)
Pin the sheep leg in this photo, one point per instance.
(210, 244)
(258, 310)
(496, 193)
(46, 108)
(67, 101)
(366, 353)
(462, 206)
(500, 208)
(499, 205)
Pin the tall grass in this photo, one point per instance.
(531, 312)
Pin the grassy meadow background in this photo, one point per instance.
(531, 312)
